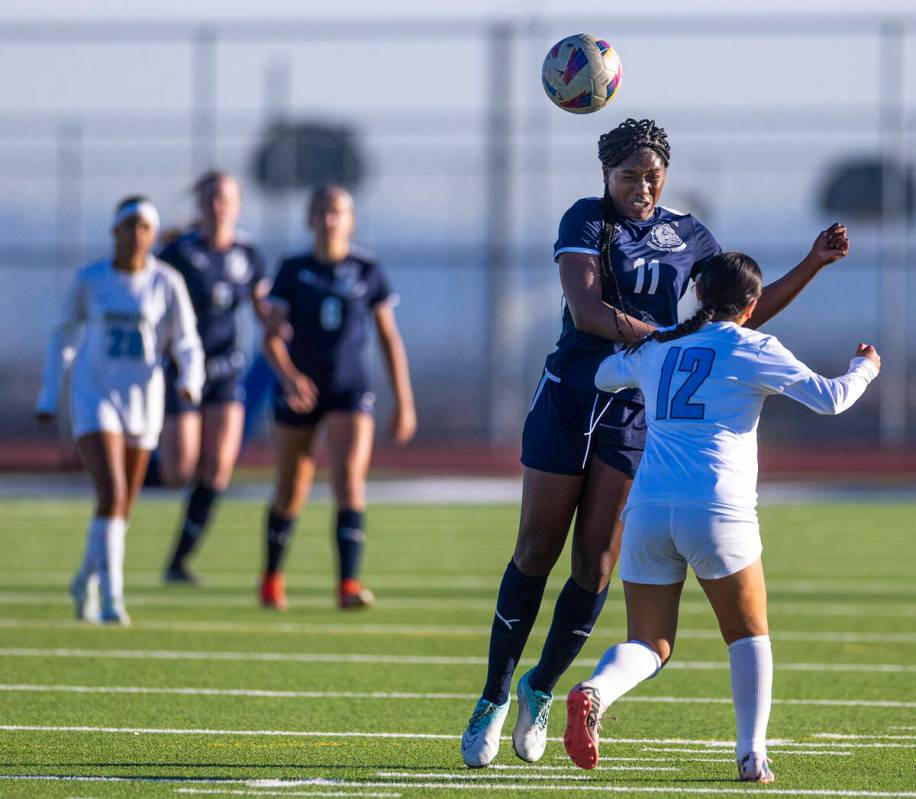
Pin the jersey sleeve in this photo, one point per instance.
(170, 255)
(258, 266)
(616, 372)
(283, 288)
(184, 341)
(62, 345)
(706, 247)
(780, 372)
(377, 286)
(580, 230)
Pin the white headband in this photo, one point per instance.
(144, 209)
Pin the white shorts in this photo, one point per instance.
(660, 540)
(137, 414)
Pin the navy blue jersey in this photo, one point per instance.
(329, 307)
(218, 283)
(653, 261)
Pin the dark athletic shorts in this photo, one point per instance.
(566, 426)
(215, 392)
(348, 401)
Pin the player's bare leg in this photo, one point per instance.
(104, 455)
(652, 612)
(350, 450)
(295, 474)
(179, 447)
(740, 605)
(220, 438)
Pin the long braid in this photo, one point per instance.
(728, 284)
(614, 147)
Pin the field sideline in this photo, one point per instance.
(209, 695)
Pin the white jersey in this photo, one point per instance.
(704, 394)
(127, 321)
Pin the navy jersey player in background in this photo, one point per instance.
(202, 441)
(317, 342)
(624, 264)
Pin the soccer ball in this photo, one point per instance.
(581, 74)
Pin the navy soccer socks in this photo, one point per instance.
(197, 515)
(574, 617)
(516, 609)
(279, 530)
(350, 537)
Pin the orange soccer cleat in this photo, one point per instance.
(354, 594)
(273, 591)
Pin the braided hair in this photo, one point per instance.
(614, 147)
(729, 282)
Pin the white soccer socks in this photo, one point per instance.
(621, 669)
(108, 551)
(751, 662)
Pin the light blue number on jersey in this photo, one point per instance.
(124, 343)
(331, 313)
(698, 362)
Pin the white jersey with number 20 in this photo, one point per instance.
(127, 321)
(704, 394)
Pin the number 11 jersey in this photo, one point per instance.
(653, 262)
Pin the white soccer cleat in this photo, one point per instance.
(85, 595)
(754, 767)
(114, 613)
(529, 738)
(480, 742)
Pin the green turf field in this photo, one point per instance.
(207, 694)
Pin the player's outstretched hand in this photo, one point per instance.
(301, 393)
(868, 351)
(44, 417)
(830, 245)
(403, 424)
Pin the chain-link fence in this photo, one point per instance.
(469, 171)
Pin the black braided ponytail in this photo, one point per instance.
(729, 282)
(614, 147)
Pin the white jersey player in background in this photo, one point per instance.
(119, 317)
(694, 498)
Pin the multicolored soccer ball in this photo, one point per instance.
(581, 74)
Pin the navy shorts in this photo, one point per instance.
(215, 392)
(567, 425)
(346, 401)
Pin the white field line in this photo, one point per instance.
(678, 750)
(430, 630)
(838, 736)
(435, 660)
(709, 744)
(409, 695)
(319, 781)
(190, 599)
(628, 790)
(532, 767)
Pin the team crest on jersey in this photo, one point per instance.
(199, 260)
(222, 295)
(237, 268)
(665, 238)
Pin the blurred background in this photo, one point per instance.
(780, 123)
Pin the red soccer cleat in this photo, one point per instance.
(582, 726)
(273, 591)
(353, 594)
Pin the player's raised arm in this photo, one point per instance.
(582, 289)
(780, 372)
(830, 245)
(61, 349)
(616, 372)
